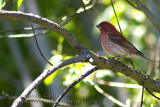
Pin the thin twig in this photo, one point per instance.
(24, 35)
(80, 10)
(39, 49)
(142, 96)
(140, 6)
(105, 94)
(44, 75)
(83, 5)
(41, 100)
(67, 18)
(120, 29)
(116, 66)
(132, 4)
(129, 58)
(19, 29)
(131, 62)
(73, 84)
(117, 84)
(152, 94)
(116, 17)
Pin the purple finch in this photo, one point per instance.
(114, 43)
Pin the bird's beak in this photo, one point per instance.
(98, 26)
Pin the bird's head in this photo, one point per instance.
(106, 27)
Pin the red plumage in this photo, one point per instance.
(115, 43)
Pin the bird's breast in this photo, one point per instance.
(111, 47)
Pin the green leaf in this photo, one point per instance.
(19, 2)
(55, 59)
(50, 78)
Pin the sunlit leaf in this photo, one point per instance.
(50, 78)
(55, 59)
(106, 1)
(19, 2)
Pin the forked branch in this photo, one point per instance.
(100, 62)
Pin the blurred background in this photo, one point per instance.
(21, 62)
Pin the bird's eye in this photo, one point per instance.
(101, 26)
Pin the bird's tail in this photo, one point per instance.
(138, 53)
(146, 58)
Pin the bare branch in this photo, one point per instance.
(132, 4)
(47, 101)
(116, 66)
(42, 100)
(44, 75)
(20, 29)
(142, 97)
(153, 85)
(83, 4)
(117, 84)
(140, 78)
(24, 35)
(140, 6)
(43, 22)
(105, 94)
(80, 10)
(73, 84)
(67, 18)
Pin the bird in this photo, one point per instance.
(114, 43)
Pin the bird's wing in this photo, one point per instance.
(119, 39)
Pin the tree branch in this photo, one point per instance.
(105, 94)
(102, 63)
(80, 10)
(29, 17)
(30, 99)
(44, 75)
(24, 35)
(73, 84)
(140, 6)
(140, 78)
